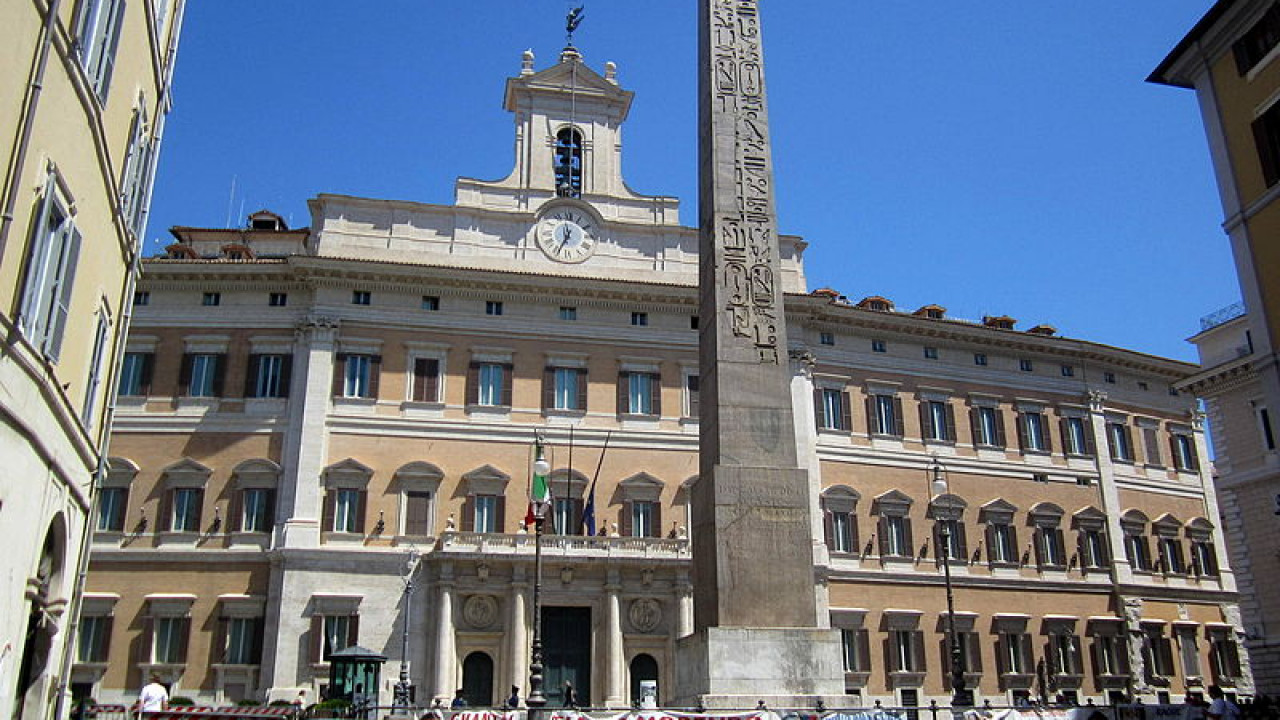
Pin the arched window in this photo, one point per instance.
(568, 163)
(643, 667)
(477, 680)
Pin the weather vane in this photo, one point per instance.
(571, 23)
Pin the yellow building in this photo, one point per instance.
(1228, 58)
(303, 409)
(84, 89)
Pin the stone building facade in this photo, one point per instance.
(1228, 58)
(84, 91)
(301, 411)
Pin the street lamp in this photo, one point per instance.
(401, 692)
(541, 469)
(938, 486)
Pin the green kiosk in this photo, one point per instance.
(354, 675)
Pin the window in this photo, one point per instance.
(1093, 549)
(489, 384)
(906, 651)
(356, 375)
(1258, 41)
(1014, 651)
(1189, 652)
(97, 38)
(1048, 541)
(485, 515)
(840, 524)
(639, 393)
(493, 307)
(826, 338)
(430, 303)
(692, 395)
(1224, 656)
(1136, 550)
(855, 650)
(97, 358)
(640, 319)
(567, 157)
(211, 299)
(95, 639)
(1077, 437)
(931, 353)
(1142, 385)
(950, 541)
(566, 515)
(244, 641)
(142, 297)
(336, 632)
(1109, 377)
(1042, 478)
(878, 346)
(1111, 654)
(1171, 559)
(268, 376)
(979, 358)
(938, 421)
(348, 510)
(833, 411)
(169, 640)
(1157, 652)
(885, 414)
(970, 650)
(202, 374)
(185, 516)
(425, 386)
(1064, 654)
(1264, 425)
(1025, 365)
(693, 322)
(1149, 441)
(1068, 371)
(361, 297)
(50, 273)
(1183, 447)
(565, 388)
(417, 513)
(112, 502)
(895, 536)
(988, 426)
(1002, 543)
(1204, 558)
(257, 512)
(644, 519)
(1119, 441)
(568, 313)
(136, 177)
(1033, 432)
(276, 299)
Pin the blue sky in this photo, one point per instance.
(998, 157)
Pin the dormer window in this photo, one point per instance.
(568, 163)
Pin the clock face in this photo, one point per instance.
(567, 235)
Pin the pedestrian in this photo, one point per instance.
(571, 699)
(300, 701)
(513, 702)
(154, 697)
(459, 702)
(1221, 708)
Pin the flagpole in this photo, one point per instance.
(536, 700)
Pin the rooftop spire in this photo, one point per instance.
(571, 23)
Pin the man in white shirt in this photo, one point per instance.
(153, 698)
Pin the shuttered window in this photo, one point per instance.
(417, 513)
(98, 38)
(426, 380)
(135, 374)
(50, 274)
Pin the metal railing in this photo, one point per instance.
(576, 545)
(1222, 316)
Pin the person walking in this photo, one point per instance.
(154, 697)
(1221, 708)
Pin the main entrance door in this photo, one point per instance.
(566, 653)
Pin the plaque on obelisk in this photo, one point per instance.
(756, 631)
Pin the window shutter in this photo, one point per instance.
(890, 657)
(873, 419)
(576, 528)
(1046, 435)
(1195, 456)
(422, 374)
(326, 515)
(548, 388)
(316, 641)
(1037, 541)
(1090, 447)
(628, 507)
(508, 379)
(1128, 441)
(656, 529)
(1165, 648)
(375, 375)
(416, 507)
(990, 534)
(199, 520)
(695, 395)
(255, 654)
(1267, 151)
(1073, 653)
(1000, 438)
(655, 394)
(251, 375)
(473, 383)
(1025, 650)
(926, 424)
(951, 422)
(469, 514)
(962, 543)
(898, 425)
(846, 412)
(235, 511)
(184, 374)
(1065, 435)
(917, 649)
(580, 377)
(271, 510)
(864, 651)
(220, 646)
(164, 511)
(362, 502)
(1211, 555)
(286, 375)
(500, 516)
(219, 373)
(855, 546)
(973, 659)
(1062, 545)
(883, 533)
(1094, 663)
(906, 530)
(184, 635)
(432, 391)
(339, 374)
(145, 648)
(65, 284)
(818, 409)
(148, 368)
(624, 403)
(109, 45)
(103, 651)
(944, 651)
(1152, 446)
(828, 529)
(1022, 430)
(975, 425)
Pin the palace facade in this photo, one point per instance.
(304, 411)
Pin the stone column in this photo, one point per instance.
(802, 362)
(446, 654)
(1108, 494)
(614, 674)
(1225, 573)
(518, 633)
(684, 607)
(306, 442)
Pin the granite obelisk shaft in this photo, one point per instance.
(752, 547)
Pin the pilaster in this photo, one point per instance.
(1108, 494)
(615, 675)
(306, 444)
(518, 620)
(446, 655)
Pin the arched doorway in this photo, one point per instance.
(37, 641)
(477, 680)
(643, 667)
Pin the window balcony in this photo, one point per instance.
(578, 546)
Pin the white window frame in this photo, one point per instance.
(98, 39)
(357, 375)
(640, 393)
(565, 390)
(489, 379)
(346, 508)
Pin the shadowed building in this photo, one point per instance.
(84, 90)
(1228, 58)
(301, 406)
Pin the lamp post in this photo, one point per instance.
(541, 469)
(960, 695)
(401, 691)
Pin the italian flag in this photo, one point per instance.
(539, 499)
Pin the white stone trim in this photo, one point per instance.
(211, 344)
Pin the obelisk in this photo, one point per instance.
(756, 631)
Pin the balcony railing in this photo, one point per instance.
(564, 545)
(1222, 315)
